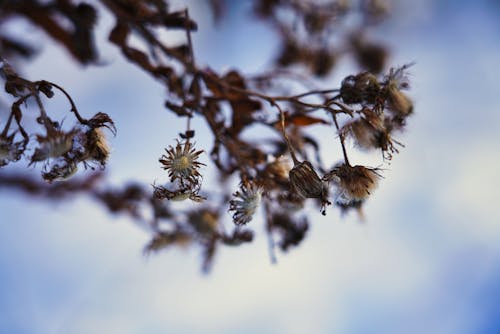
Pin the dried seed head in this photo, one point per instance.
(276, 173)
(363, 87)
(163, 240)
(60, 143)
(249, 197)
(352, 184)
(181, 162)
(4, 149)
(204, 221)
(10, 151)
(178, 195)
(362, 132)
(96, 146)
(54, 145)
(306, 182)
(60, 172)
(398, 102)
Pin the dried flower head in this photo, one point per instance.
(165, 239)
(363, 87)
(9, 150)
(247, 202)
(96, 146)
(397, 101)
(372, 131)
(352, 184)
(306, 182)
(204, 221)
(276, 173)
(54, 145)
(178, 195)
(60, 172)
(182, 162)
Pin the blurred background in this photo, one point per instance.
(425, 260)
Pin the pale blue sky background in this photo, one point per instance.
(427, 259)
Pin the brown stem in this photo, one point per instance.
(341, 137)
(290, 147)
(189, 39)
(74, 110)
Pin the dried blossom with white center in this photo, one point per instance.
(246, 203)
(182, 163)
(352, 185)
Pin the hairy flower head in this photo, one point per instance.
(96, 146)
(54, 145)
(246, 203)
(352, 184)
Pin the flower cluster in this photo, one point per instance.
(62, 151)
(367, 109)
(59, 150)
(384, 109)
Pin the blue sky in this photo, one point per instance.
(427, 259)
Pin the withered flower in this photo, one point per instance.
(55, 144)
(178, 195)
(10, 151)
(366, 130)
(397, 101)
(163, 240)
(363, 87)
(182, 162)
(60, 172)
(276, 173)
(352, 185)
(371, 131)
(249, 197)
(204, 221)
(306, 182)
(96, 146)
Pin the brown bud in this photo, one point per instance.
(306, 182)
